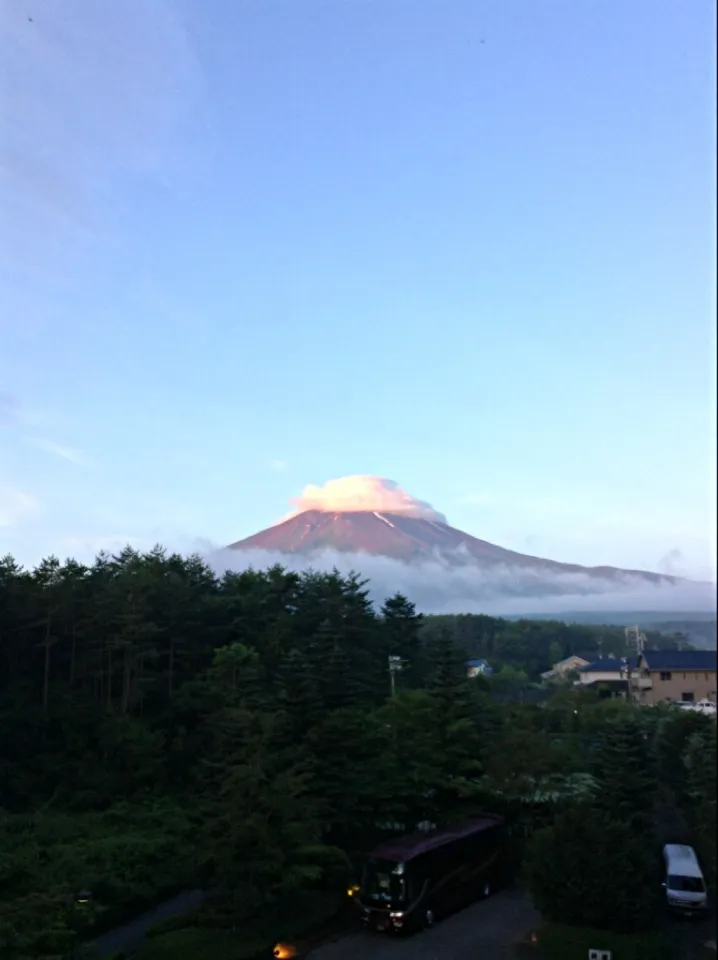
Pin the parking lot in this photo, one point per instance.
(488, 929)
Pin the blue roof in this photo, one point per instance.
(606, 665)
(584, 655)
(680, 659)
(476, 663)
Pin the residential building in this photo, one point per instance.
(606, 670)
(610, 674)
(675, 675)
(567, 666)
(478, 667)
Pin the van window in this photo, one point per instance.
(686, 884)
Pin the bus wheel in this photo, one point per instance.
(428, 920)
(486, 890)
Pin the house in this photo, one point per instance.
(675, 675)
(607, 672)
(566, 666)
(478, 667)
(603, 670)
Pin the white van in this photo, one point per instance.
(683, 881)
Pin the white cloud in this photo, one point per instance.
(437, 588)
(16, 506)
(364, 492)
(49, 446)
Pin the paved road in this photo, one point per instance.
(690, 937)
(129, 936)
(488, 929)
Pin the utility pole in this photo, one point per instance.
(626, 675)
(636, 638)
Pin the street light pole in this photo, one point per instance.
(395, 665)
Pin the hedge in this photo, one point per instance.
(573, 943)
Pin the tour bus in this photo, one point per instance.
(410, 882)
(683, 880)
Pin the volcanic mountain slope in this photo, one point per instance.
(412, 540)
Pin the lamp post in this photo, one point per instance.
(395, 665)
(80, 899)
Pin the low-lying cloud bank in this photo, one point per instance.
(500, 590)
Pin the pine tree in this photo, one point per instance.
(700, 763)
(673, 735)
(458, 742)
(334, 674)
(263, 834)
(401, 635)
(349, 786)
(448, 681)
(590, 871)
(298, 693)
(624, 771)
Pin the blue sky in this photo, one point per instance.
(251, 246)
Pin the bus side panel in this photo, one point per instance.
(458, 872)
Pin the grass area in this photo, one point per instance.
(203, 943)
(574, 943)
(206, 935)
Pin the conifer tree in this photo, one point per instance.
(624, 771)
(702, 808)
(588, 870)
(458, 742)
(401, 635)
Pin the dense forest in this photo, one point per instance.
(163, 727)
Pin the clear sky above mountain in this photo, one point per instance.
(247, 247)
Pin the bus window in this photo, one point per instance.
(382, 882)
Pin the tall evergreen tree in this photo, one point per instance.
(458, 740)
(401, 634)
(624, 771)
(334, 673)
(588, 870)
(263, 833)
(702, 806)
(299, 694)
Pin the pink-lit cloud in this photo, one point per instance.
(364, 492)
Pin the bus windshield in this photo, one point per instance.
(384, 880)
(685, 884)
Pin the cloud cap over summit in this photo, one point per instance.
(371, 525)
(364, 493)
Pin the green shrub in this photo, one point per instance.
(180, 922)
(204, 944)
(573, 943)
(201, 938)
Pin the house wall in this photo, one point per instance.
(598, 676)
(566, 666)
(478, 671)
(701, 685)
